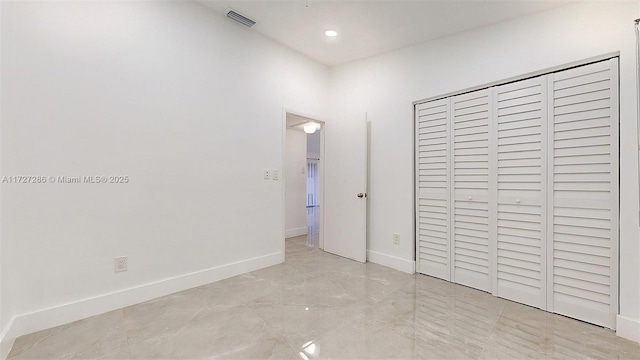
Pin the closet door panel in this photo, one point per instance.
(433, 195)
(521, 109)
(471, 260)
(518, 191)
(583, 193)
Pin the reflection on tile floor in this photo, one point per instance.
(318, 305)
(313, 226)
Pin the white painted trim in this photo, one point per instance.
(533, 74)
(321, 186)
(404, 265)
(416, 194)
(450, 196)
(628, 328)
(295, 232)
(283, 179)
(615, 189)
(65, 313)
(6, 343)
(367, 153)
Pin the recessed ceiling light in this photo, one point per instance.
(331, 33)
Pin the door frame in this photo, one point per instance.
(315, 118)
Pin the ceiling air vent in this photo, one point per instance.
(240, 18)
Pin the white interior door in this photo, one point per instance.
(521, 114)
(433, 205)
(345, 201)
(519, 195)
(472, 216)
(584, 199)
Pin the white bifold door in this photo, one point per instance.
(517, 191)
(433, 154)
(583, 196)
(521, 150)
(471, 115)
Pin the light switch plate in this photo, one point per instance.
(267, 174)
(275, 175)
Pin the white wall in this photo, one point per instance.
(296, 183)
(385, 87)
(159, 92)
(186, 103)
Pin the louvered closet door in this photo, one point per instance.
(433, 208)
(584, 193)
(471, 214)
(521, 111)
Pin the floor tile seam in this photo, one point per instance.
(391, 293)
(495, 325)
(344, 321)
(270, 327)
(126, 332)
(396, 330)
(255, 337)
(305, 274)
(167, 334)
(177, 331)
(60, 330)
(128, 344)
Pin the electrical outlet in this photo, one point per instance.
(275, 175)
(121, 263)
(267, 174)
(396, 239)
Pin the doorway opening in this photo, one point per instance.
(303, 181)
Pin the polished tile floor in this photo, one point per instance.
(313, 225)
(318, 305)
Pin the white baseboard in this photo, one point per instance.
(295, 232)
(65, 313)
(408, 266)
(6, 343)
(628, 328)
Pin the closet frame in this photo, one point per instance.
(547, 185)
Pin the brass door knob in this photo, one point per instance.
(360, 195)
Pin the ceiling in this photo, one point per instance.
(296, 122)
(367, 28)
